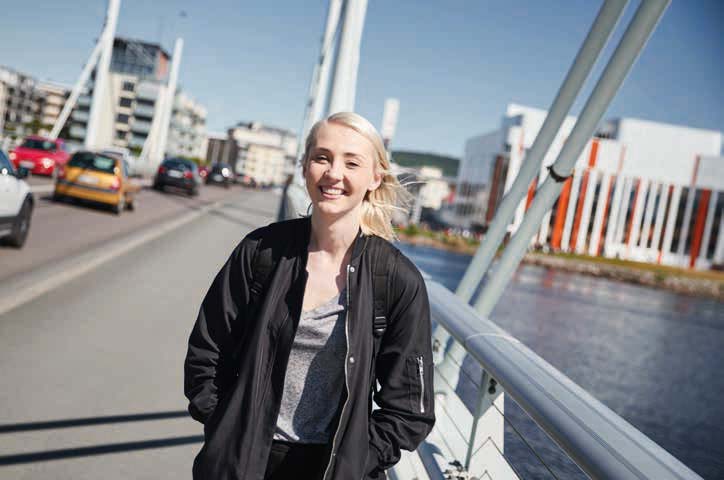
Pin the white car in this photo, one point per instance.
(16, 203)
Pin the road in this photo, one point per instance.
(93, 370)
(59, 230)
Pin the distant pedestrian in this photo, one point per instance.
(307, 322)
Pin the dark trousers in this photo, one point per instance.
(289, 460)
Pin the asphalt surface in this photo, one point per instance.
(59, 230)
(93, 370)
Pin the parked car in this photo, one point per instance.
(125, 155)
(40, 155)
(97, 178)
(220, 174)
(16, 203)
(178, 173)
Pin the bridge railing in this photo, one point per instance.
(470, 385)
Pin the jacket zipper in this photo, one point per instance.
(346, 386)
(421, 371)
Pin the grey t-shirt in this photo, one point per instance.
(314, 380)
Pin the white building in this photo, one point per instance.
(640, 190)
(187, 132)
(434, 188)
(263, 154)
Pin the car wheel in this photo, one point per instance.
(131, 206)
(21, 227)
(57, 198)
(118, 208)
(194, 192)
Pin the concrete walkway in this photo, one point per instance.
(93, 370)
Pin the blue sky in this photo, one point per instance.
(453, 65)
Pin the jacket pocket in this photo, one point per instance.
(416, 372)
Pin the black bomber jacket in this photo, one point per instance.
(239, 348)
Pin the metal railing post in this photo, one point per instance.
(638, 32)
(483, 400)
(586, 57)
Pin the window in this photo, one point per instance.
(120, 134)
(128, 86)
(126, 102)
(37, 144)
(122, 118)
(91, 161)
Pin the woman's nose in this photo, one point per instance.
(334, 171)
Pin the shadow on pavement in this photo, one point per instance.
(82, 422)
(97, 450)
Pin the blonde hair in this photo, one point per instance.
(378, 205)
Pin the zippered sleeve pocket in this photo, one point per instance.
(417, 377)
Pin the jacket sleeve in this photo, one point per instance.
(212, 339)
(404, 369)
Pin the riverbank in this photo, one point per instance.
(707, 283)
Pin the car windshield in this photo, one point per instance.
(38, 144)
(92, 161)
(178, 165)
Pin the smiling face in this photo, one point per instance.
(339, 170)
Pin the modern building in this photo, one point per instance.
(18, 103)
(262, 154)
(473, 184)
(130, 107)
(640, 190)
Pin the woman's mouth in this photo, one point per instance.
(331, 193)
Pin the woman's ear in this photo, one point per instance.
(376, 181)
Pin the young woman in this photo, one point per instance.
(306, 320)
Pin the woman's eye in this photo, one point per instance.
(320, 158)
(352, 164)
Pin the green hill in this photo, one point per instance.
(449, 165)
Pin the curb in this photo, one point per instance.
(24, 287)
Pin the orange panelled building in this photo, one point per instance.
(641, 190)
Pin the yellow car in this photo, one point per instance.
(97, 178)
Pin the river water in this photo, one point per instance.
(652, 356)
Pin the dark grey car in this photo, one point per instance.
(178, 173)
(220, 174)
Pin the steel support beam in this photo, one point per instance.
(101, 78)
(170, 96)
(347, 57)
(597, 37)
(634, 39)
(78, 88)
(319, 85)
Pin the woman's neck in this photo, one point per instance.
(333, 236)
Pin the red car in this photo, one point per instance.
(40, 155)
